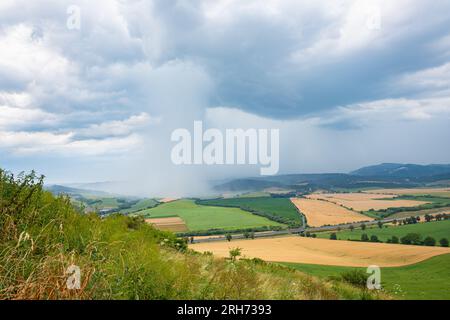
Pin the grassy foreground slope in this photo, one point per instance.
(435, 229)
(278, 209)
(124, 258)
(199, 218)
(425, 280)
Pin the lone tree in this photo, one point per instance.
(333, 236)
(380, 224)
(374, 238)
(252, 235)
(229, 237)
(443, 242)
(351, 228)
(364, 237)
(246, 235)
(394, 239)
(363, 226)
(234, 253)
(429, 241)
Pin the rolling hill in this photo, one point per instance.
(387, 175)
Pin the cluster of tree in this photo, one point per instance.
(416, 239)
(213, 232)
(283, 195)
(308, 234)
(437, 217)
(428, 218)
(390, 211)
(373, 238)
(410, 238)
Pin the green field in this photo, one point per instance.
(257, 194)
(278, 209)
(105, 203)
(141, 205)
(435, 229)
(429, 279)
(201, 218)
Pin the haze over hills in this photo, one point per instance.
(386, 175)
(59, 189)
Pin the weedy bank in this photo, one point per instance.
(121, 257)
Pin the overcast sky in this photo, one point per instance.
(348, 83)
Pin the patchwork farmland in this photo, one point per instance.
(203, 218)
(174, 224)
(366, 201)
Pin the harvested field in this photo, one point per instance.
(174, 224)
(414, 191)
(366, 201)
(167, 200)
(420, 213)
(320, 212)
(351, 196)
(325, 252)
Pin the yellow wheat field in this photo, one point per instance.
(351, 196)
(325, 252)
(366, 201)
(432, 191)
(319, 212)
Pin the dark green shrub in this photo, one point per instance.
(429, 241)
(355, 277)
(443, 242)
(412, 238)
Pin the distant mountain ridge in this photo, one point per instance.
(403, 170)
(385, 175)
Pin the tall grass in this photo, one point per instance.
(124, 258)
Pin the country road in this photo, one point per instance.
(268, 234)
